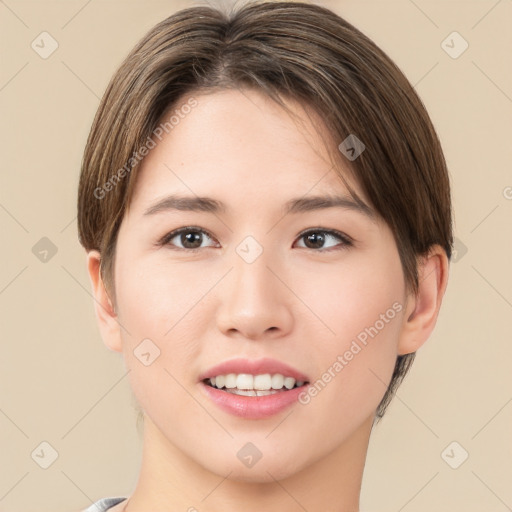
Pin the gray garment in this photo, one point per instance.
(104, 504)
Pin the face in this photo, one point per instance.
(315, 294)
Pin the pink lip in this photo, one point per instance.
(254, 367)
(252, 407)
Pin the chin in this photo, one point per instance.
(267, 469)
(264, 474)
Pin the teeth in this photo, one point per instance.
(289, 382)
(277, 381)
(263, 382)
(252, 392)
(254, 385)
(244, 381)
(230, 381)
(243, 392)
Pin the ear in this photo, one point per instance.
(105, 312)
(423, 308)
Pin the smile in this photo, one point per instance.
(244, 384)
(253, 389)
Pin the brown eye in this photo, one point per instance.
(316, 239)
(191, 239)
(186, 238)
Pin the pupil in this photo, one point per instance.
(315, 237)
(192, 237)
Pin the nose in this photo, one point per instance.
(254, 301)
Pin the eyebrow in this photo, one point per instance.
(293, 206)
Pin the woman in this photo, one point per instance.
(266, 211)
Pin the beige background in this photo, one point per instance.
(60, 384)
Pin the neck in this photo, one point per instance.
(170, 480)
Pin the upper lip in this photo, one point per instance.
(254, 367)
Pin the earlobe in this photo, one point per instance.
(103, 305)
(422, 311)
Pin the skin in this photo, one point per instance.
(294, 303)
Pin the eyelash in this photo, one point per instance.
(346, 240)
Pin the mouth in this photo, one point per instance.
(244, 384)
(247, 402)
(253, 389)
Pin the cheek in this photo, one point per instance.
(156, 298)
(349, 301)
(163, 310)
(160, 306)
(356, 342)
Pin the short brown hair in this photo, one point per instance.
(287, 50)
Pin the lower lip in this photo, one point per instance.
(253, 407)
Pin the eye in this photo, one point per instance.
(316, 239)
(190, 238)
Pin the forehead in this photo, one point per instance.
(240, 146)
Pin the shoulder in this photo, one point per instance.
(106, 504)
